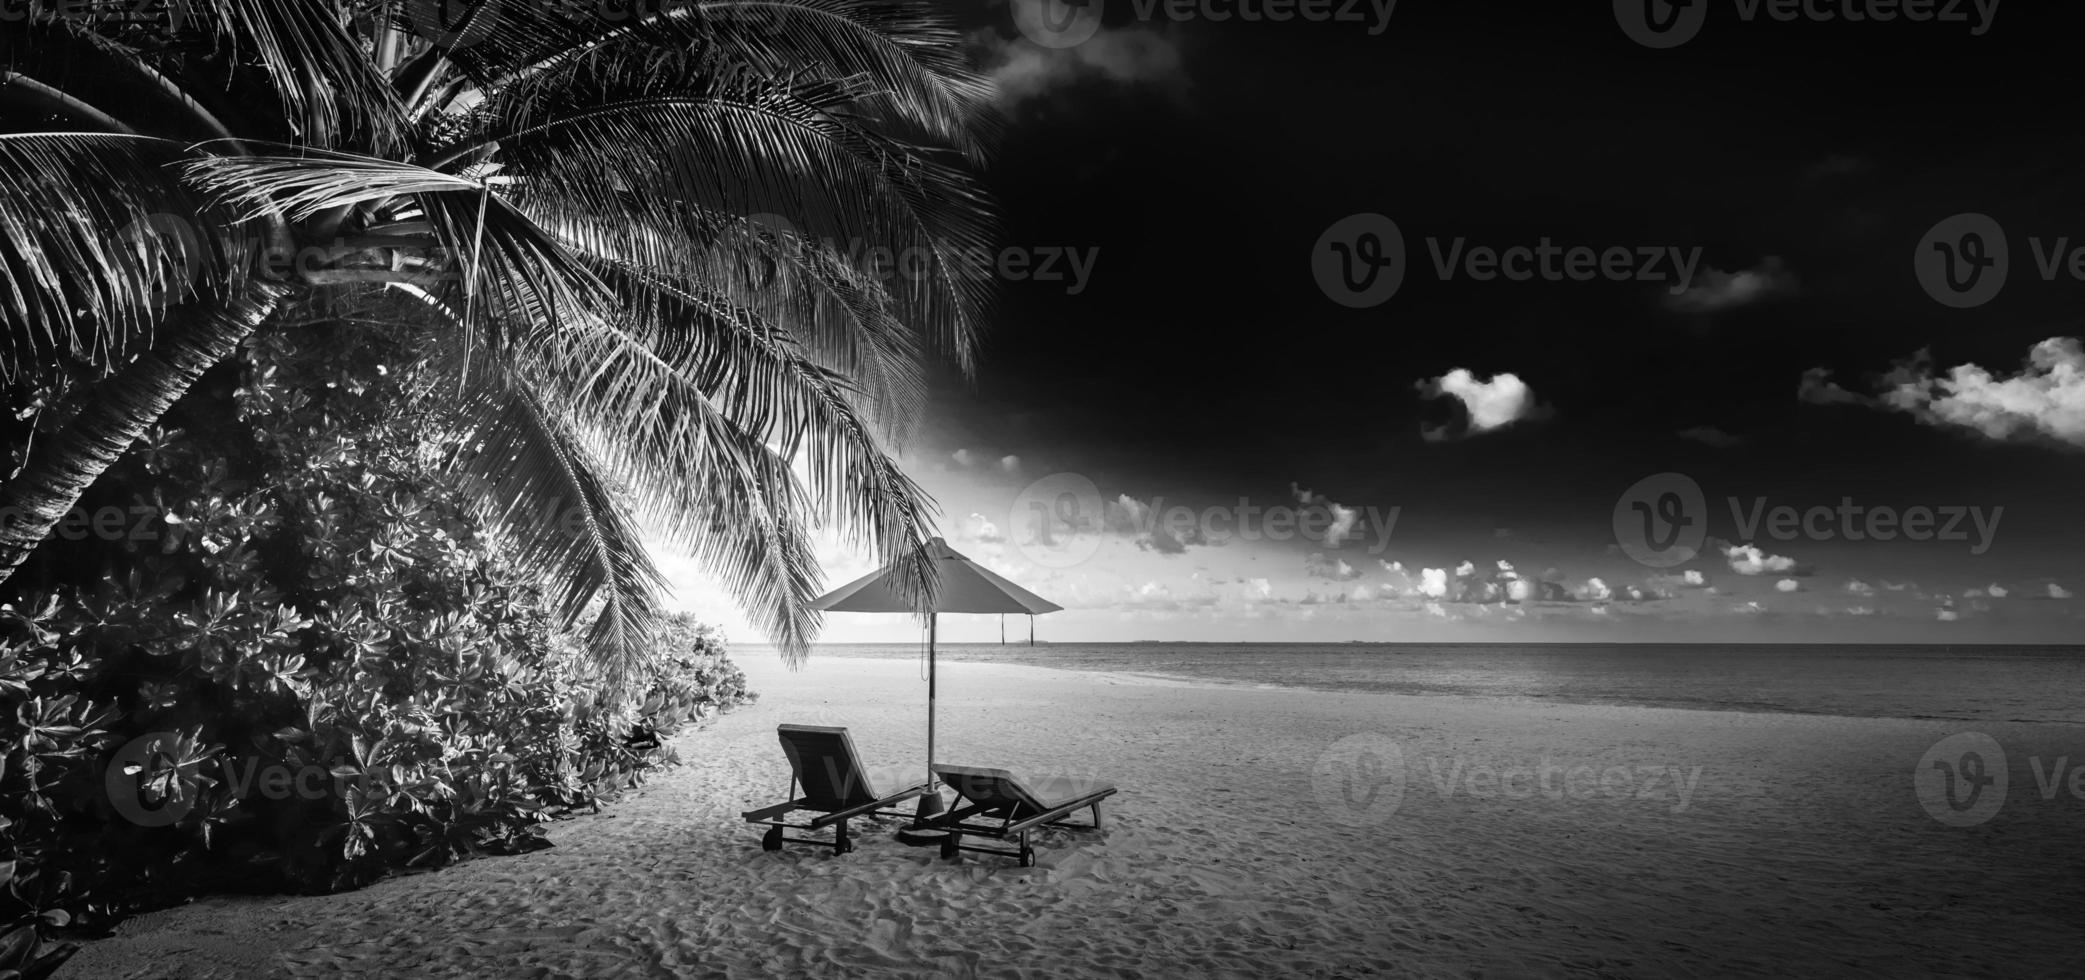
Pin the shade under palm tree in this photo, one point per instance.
(962, 586)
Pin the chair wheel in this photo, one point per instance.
(1027, 857)
(772, 840)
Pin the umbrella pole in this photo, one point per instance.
(930, 805)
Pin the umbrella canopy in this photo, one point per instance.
(965, 587)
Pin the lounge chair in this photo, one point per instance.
(989, 795)
(824, 765)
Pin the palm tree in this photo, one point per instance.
(636, 226)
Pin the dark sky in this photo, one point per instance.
(1203, 365)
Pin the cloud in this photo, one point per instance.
(1022, 72)
(1490, 405)
(1595, 590)
(1318, 566)
(1666, 585)
(1343, 518)
(1433, 583)
(1709, 435)
(2058, 591)
(1746, 559)
(2044, 401)
(1947, 615)
(982, 529)
(1860, 610)
(1788, 585)
(1715, 291)
(1010, 464)
(1817, 388)
(1855, 586)
(1997, 591)
(964, 458)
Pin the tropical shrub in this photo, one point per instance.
(298, 662)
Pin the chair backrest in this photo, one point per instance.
(997, 790)
(829, 772)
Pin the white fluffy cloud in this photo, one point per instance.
(1493, 404)
(1433, 583)
(2045, 400)
(1997, 591)
(1788, 585)
(1855, 586)
(1747, 559)
(1595, 590)
(2058, 591)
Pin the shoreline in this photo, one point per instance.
(1799, 848)
(1158, 678)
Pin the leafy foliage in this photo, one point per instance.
(302, 663)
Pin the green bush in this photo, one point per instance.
(301, 666)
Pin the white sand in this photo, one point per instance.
(1802, 851)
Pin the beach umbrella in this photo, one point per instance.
(964, 587)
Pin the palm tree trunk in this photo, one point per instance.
(117, 410)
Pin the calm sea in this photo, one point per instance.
(1971, 683)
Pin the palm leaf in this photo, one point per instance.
(98, 238)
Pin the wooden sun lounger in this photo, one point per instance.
(994, 803)
(824, 765)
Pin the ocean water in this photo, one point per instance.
(1970, 683)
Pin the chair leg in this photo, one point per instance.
(1096, 815)
(952, 845)
(1027, 855)
(841, 842)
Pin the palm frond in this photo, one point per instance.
(98, 238)
(500, 264)
(539, 490)
(333, 96)
(764, 382)
(747, 147)
(906, 55)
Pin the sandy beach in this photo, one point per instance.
(1528, 839)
